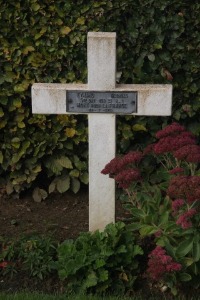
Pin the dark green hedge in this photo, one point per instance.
(45, 41)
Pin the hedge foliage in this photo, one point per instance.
(45, 41)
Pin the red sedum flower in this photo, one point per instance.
(160, 264)
(127, 176)
(3, 264)
(185, 187)
(173, 143)
(173, 129)
(184, 220)
(177, 204)
(189, 153)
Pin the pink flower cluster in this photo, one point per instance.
(177, 140)
(125, 177)
(184, 220)
(174, 142)
(185, 187)
(3, 264)
(173, 129)
(160, 264)
(123, 169)
(189, 153)
(176, 205)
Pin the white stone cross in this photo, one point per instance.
(53, 98)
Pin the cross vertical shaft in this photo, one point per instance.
(101, 57)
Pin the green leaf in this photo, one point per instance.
(74, 173)
(151, 57)
(28, 49)
(164, 218)
(139, 127)
(52, 187)
(21, 124)
(53, 165)
(103, 275)
(65, 162)
(80, 21)
(18, 103)
(35, 6)
(1, 112)
(134, 226)
(148, 230)
(188, 261)
(65, 30)
(184, 248)
(91, 280)
(185, 277)
(136, 212)
(21, 87)
(84, 178)
(1, 157)
(63, 184)
(9, 188)
(75, 185)
(196, 251)
(39, 194)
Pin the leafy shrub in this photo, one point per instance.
(100, 261)
(157, 42)
(165, 205)
(35, 256)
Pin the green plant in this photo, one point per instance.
(165, 205)
(100, 261)
(35, 255)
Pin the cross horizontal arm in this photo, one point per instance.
(153, 99)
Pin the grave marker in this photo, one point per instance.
(101, 99)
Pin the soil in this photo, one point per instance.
(62, 216)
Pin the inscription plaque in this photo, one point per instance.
(101, 102)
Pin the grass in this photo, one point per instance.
(40, 296)
(35, 296)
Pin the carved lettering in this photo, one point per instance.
(102, 102)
